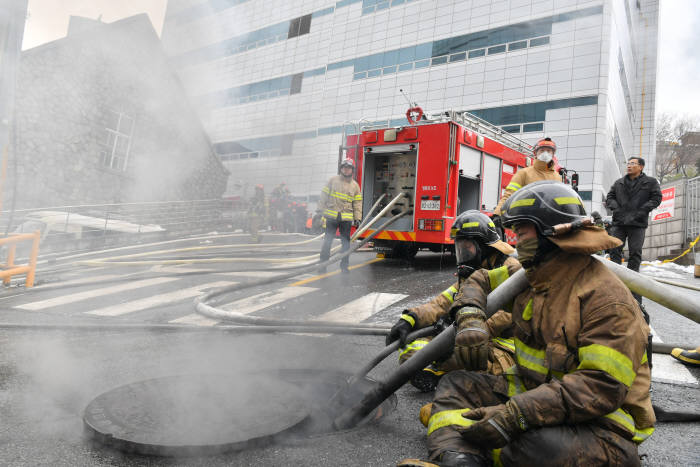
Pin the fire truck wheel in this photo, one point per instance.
(404, 250)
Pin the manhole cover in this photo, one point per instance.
(195, 414)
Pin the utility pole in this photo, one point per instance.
(12, 17)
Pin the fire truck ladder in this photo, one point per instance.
(489, 130)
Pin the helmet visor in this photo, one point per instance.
(466, 250)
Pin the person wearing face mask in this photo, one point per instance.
(578, 393)
(341, 206)
(477, 245)
(541, 169)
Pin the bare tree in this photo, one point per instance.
(676, 153)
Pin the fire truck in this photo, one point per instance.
(445, 164)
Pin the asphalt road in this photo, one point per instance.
(47, 377)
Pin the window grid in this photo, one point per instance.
(443, 59)
(117, 146)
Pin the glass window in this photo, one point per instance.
(390, 58)
(422, 64)
(539, 41)
(406, 66)
(388, 70)
(360, 75)
(530, 127)
(477, 53)
(512, 128)
(373, 73)
(517, 45)
(424, 50)
(458, 57)
(375, 61)
(439, 60)
(497, 49)
(407, 54)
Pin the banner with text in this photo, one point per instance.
(665, 209)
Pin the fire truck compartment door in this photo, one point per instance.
(390, 173)
(469, 162)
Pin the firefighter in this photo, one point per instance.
(477, 245)
(341, 206)
(541, 169)
(278, 203)
(258, 211)
(579, 392)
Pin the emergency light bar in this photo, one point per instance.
(391, 148)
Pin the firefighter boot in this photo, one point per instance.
(427, 379)
(448, 459)
(689, 357)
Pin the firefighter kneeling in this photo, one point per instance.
(477, 245)
(579, 391)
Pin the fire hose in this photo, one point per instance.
(504, 293)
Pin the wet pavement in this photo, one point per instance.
(48, 377)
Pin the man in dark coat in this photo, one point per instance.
(631, 198)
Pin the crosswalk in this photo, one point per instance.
(170, 298)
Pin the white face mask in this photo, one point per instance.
(545, 156)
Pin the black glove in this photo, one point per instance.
(356, 222)
(402, 328)
(496, 426)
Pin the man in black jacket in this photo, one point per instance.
(631, 198)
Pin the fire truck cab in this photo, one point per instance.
(444, 164)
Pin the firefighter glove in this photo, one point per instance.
(472, 343)
(495, 426)
(400, 330)
(356, 222)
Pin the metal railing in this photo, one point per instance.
(99, 224)
(692, 208)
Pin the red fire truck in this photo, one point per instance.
(445, 164)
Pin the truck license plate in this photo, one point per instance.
(430, 205)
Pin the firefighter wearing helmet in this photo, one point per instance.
(477, 245)
(541, 169)
(341, 207)
(258, 212)
(579, 390)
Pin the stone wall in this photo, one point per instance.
(665, 235)
(68, 94)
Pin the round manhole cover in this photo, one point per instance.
(195, 414)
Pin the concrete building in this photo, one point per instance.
(101, 118)
(275, 81)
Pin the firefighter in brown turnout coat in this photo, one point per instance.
(477, 245)
(579, 391)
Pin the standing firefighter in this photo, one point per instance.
(341, 206)
(258, 211)
(579, 392)
(477, 245)
(541, 169)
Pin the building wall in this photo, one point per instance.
(533, 67)
(101, 118)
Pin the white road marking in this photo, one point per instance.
(88, 280)
(195, 319)
(666, 369)
(76, 297)
(155, 300)
(266, 299)
(251, 273)
(362, 308)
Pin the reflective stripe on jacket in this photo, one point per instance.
(536, 172)
(341, 196)
(429, 313)
(580, 346)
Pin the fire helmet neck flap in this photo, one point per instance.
(545, 203)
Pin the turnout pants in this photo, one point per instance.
(561, 445)
(344, 228)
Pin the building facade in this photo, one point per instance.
(277, 82)
(101, 118)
